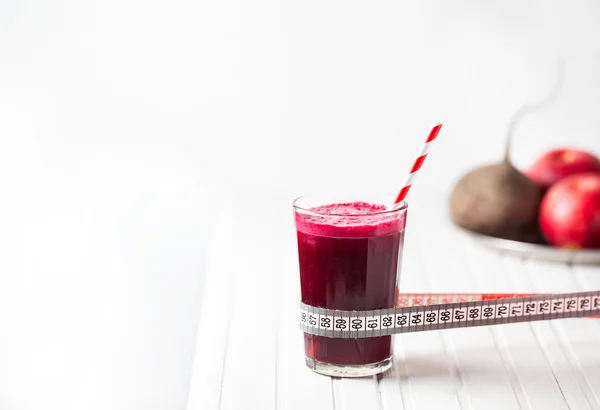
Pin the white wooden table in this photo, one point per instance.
(253, 267)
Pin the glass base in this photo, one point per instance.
(338, 370)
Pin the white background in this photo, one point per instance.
(125, 123)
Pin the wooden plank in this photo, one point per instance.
(357, 394)
(249, 379)
(427, 365)
(212, 334)
(393, 381)
(535, 382)
(298, 388)
(587, 277)
(480, 367)
(579, 337)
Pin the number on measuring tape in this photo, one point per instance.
(431, 318)
(387, 321)
(570, 304)
(460, 314)
(357, 323)
(473, 313)
(373, 323)
(585, 303)
(530, 308)
(596, 302)
(325, 322)
(303, 318)
(558, 306)
(488, 312)
(502, 311)
(342, 323)
(312, 319)
(416, 318)
(445, 315)
(515, 309)
(543, 307)
(401, 320)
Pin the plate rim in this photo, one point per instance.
(536, 251)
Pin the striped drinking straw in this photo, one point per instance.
(422, 154)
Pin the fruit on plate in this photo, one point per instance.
(496, 200)
(570, 212)
(560, 163)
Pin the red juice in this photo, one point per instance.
(349, 255)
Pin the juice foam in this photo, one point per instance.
(352, 219)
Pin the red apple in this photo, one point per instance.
(559, 163)
(570, 212)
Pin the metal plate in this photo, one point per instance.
(538, 251)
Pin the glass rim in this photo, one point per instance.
(400, 206)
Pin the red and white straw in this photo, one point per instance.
(422, 154)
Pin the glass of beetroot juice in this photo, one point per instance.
(350, 255)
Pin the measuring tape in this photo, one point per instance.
(421, 312)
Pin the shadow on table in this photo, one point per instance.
(484, 362)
